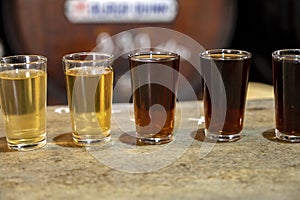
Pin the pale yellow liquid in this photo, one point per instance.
(23, 102)
(90, 98)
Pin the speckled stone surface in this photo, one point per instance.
(255, 167)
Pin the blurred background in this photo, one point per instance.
(56, 27)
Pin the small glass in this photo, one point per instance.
(225, 73)
(89, 80)
(286, 73)
(154, 77)
(23, 81)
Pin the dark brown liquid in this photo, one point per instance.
(152, 93)
(286, 79)
(235, 78)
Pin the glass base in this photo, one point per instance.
(91, 142)
(154, 141)
(285, 137)
(222, 138)
(27, 147)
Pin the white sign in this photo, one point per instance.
(121, 11)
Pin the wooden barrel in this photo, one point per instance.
(41, 27)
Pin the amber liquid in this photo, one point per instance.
(286, 81)
(23, 101)
(90, 102)
(235, 78)
(154, 103)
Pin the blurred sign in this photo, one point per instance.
(121, 11)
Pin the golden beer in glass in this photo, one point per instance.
(89, 79)
(23, 90)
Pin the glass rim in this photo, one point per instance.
(242, 54)
(134, 56)
(286, 54)
(87, 57)
(23, 60)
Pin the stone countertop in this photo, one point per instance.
(255, 167)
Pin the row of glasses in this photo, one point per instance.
(225, 73)
(154, 78)
(89, 79)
